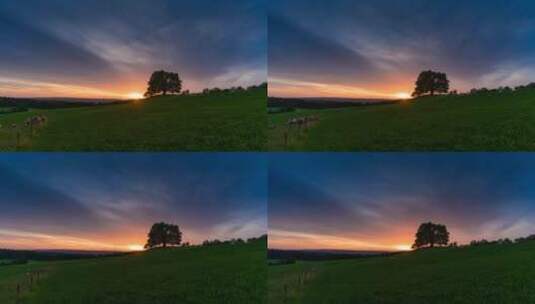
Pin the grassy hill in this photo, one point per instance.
(480, 122)
(218, 121)
(483, 274)
(215, 274)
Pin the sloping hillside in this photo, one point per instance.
(214, 274)
(218, 121)
(480, 122)
(483, 274)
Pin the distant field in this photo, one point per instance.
(484, 122)
(218, 121)
(484, 274)
(217, 274)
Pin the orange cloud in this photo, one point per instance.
(292, 88)
(281, 239)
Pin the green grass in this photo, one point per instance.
(485, 122)
(215, 122)
(485, 274)
(218, 274)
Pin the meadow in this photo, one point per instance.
(213, 274)
(503, 121)
(225, 121)
(478, 274)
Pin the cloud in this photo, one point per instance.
(99, 197)
(29, 203)
(107, 43)
(296, 52)
(469, 41)
(382, 198)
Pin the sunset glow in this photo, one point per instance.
(403, 95)
(403, 247)
(367, 52)
(376, 202)
(108, 202)
(301, 240)
(85, 53)
(134, 95)
(293, 88)
(135, 247)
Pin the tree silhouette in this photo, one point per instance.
(163, 234)
(431, 82)
(430, 235)
(162, 82)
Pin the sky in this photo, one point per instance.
(376, 48)
(109, 48)
(103, 201)
(377, 201)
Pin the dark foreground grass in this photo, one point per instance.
(484, 122)
(217, 274)
(214, 122)
(486, 274)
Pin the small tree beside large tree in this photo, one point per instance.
(431, 83)
(431, 235)
(163, 235)
(163, 83)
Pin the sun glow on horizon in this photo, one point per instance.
(403, 247)
(135, 247)
(282, 87)
(403, 95)
(134, 95)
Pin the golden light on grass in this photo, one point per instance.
(135, 247)
(134, 95)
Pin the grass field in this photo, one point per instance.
(216, 274)
(484, 122)
(483, 274)
(221, 122)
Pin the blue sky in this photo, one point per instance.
(377, 48)
(109, 48)
(376, 201)
(109, 201)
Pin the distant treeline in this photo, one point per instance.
(22, 256)
(486, 91)
(24, 104)
(217, 242)
(505, 241)
(209, 91)
(319, 104)
(290, 256)
(505, 89)
(238, 241)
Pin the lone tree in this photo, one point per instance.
(431, 82)
(430, 235)
(163, 234)
(162, 82)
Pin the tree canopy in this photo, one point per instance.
(162, 82)
(163, 234)
(431, 82)
(431, 235)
